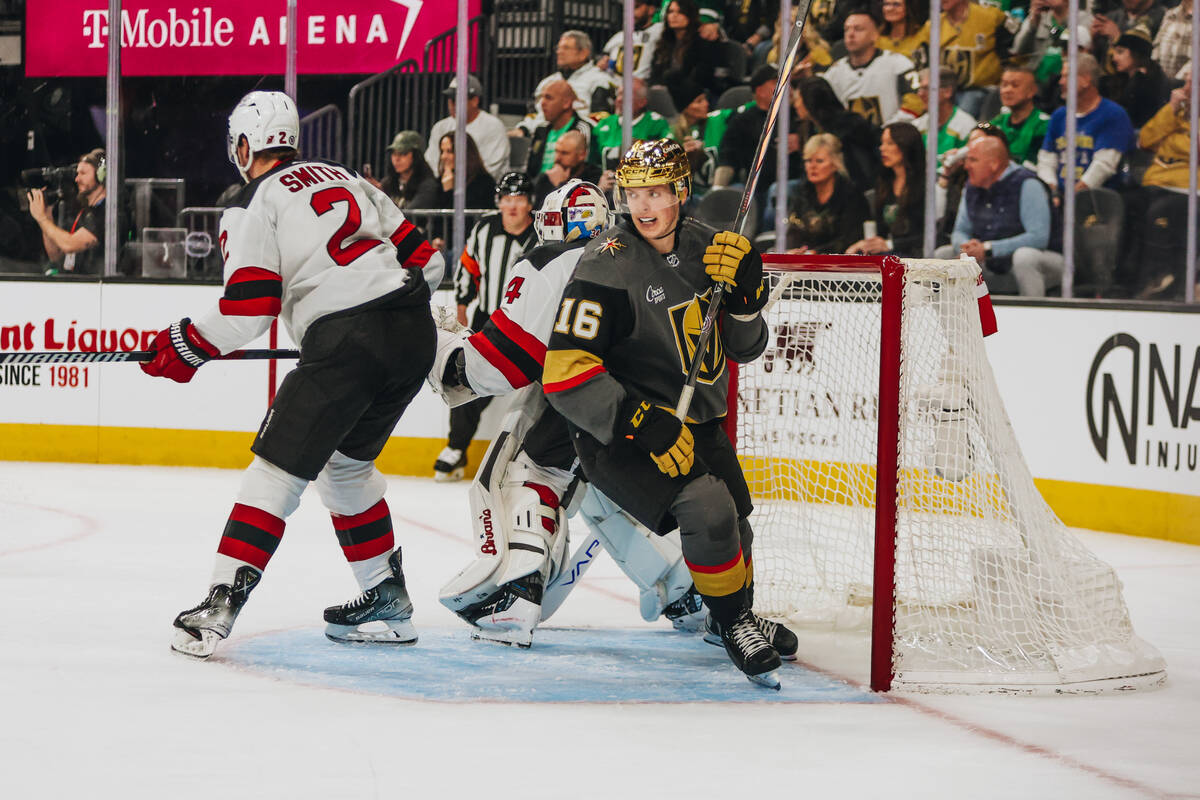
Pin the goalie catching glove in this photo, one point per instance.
(661, 434)
(179, 350)
(448, 376)
(731, 260)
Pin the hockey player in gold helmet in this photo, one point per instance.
(654, 182)
(617, 360)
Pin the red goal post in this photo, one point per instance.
(891, 496)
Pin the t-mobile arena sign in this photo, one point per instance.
(232, 37)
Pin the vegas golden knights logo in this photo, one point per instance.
(868, 108)
(686, 321)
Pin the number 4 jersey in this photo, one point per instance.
(307, 239)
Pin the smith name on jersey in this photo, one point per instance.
(629, 323)
(310, 238)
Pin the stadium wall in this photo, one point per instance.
(1105, 400)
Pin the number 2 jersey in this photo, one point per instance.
(307, 239)
(628, 325)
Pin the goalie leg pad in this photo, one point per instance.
(654, 563)
(518, 530)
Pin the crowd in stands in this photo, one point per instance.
(705, 72)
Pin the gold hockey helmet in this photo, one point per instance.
(656, 162)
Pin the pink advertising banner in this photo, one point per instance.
(232, 37)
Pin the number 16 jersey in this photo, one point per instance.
(307, 239)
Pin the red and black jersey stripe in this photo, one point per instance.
(365, 535)
(412, 249)
(511, 349)
(251, 535)
(252, 292)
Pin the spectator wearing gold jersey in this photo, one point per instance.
(976, 40)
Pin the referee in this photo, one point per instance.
(495, 243)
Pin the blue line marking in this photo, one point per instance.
(564, 666)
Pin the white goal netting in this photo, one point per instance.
(991, 590)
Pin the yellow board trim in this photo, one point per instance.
(188, 448)
(1137, 512)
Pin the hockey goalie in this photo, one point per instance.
(526, 486)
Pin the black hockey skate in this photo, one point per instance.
(510, 615)
(749, 650)
(199, 629)
(386, 603)
(782, 639)
(687, 613)
(451, 465)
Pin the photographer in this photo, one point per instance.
(81, 249)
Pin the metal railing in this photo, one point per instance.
(522, 36)
(321, 134)
(403, 98)
(436, 223)
(441, 50)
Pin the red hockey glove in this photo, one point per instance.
(179, 350)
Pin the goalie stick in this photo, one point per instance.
(760, 154)
(71, 357)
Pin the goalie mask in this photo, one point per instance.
(654, 163)
(575, 210)
(267, 120)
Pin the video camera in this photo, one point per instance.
(56, 183)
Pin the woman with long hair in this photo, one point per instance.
(904, 30)
(829, 210)
(820, 111)
(899, 195)
(682, 53)
(481, 187)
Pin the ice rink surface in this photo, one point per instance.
(95, 561)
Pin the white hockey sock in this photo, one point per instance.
(372, 571)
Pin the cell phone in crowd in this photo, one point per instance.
(367, 172)
(869, 231)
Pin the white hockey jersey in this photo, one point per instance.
(873, 90)
(644, 42)
(307, 239)
(510, 351)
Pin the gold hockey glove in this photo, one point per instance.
(733, 261)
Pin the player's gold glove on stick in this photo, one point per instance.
(731, 260)
(661, 434)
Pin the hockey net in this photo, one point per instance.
(891, 495)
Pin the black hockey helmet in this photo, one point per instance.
(514, 183)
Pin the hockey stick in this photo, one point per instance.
(786, 65)
(51, 357)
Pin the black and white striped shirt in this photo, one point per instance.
(482, 270)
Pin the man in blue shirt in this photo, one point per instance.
(1103, 134)
(1003, 223)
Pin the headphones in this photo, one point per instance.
(99, 160)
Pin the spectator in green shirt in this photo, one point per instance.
(698, 129)
(606, 136)
(1024, 126)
